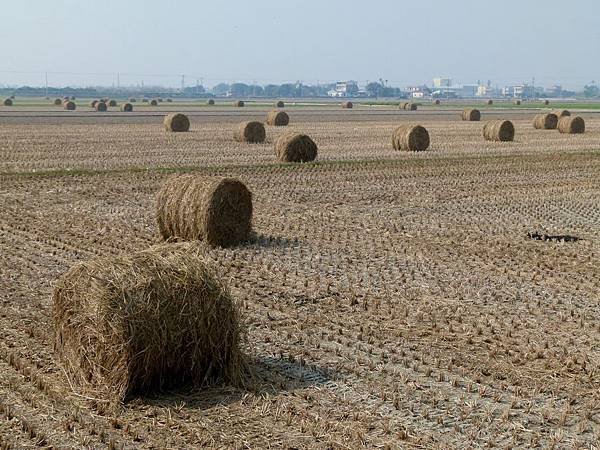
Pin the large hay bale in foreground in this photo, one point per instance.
(253, 132)
(177, 122)
(562, 113)
(159, 318)
(278, 118)
(69, 106)
(212, 209)
(347, 105)
(545, 121)
(471, 115)
(499, 130)
(409, 137)
(58, 102)
(112, 103)
(153, 102)
(280, 104)
(239, 104)
(210, 102)
(571, 125)
(127, 107)
(101, 107)
(294, 147)
(8, 102)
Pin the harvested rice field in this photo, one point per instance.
(440, 299)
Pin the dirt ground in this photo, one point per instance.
(393, 300)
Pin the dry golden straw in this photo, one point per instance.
(252, 132)
(159, 318)
(347, 105)
(571, 125)
(69, 105)
(409, 137)
(471, 115)
(212, 209)
(294, 147)
(499, 130)
(278, 118)
(545, 121)
(176, 122)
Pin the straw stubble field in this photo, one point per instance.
(392, 299)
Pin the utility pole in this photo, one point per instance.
(46, 84)
(182, 82)
(118, 81)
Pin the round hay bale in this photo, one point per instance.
(8, 102)
(112, 103)
(545, 121)
(93, 103)
(347, 105)
(518, 102)
(562, 113)
(153, 102)
(571, 125)
(294, 147)
(414, 138)
(239, 104)
(12, 97)
(471, 115)
(58, 102)
(280, 104)
(157, 319)
(132, 100)
(546, 102)
(73, 97)
(437, 101)
(253, 132)
(177, 122)
(101, 107)
(210, 102)
(127, 107)
(69, 106)
(278, 118)
(211, 209)
(499, 130)
(159, 99)
(490, 102)
(169, 100)
(410, 106)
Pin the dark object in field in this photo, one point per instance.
(210, 102)
(212, 209)
(546, 102)
(414, 138)
(101, 107)
(239, 104)
(278, 118)
(410, 106)
(499, 130)
(280, 104)
(93, 103)
(437, 101)
(158, 318)
(347, 105)
(471, 115)
(545, 121)
(8, 102)
(69, 106)
(176, 122)
(295, 147)
(127, 107)
(490, 102)
(552, 238)
(571, 125)
(58, 102)
(252, 132)
(112, 103)
(518, 102)
(153, 102)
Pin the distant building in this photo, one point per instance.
(344, 89)
(418, 91)
(441, 82)
(468, 90)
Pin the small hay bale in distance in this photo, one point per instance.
(239, 104)
(499, 130)
(132, 100)
(414, 138)
(252, 132)
(471, 115)
(210, 102)
(280, 104)
(518, 102)
(153, 102)
(215, 210)
(177, 122)
(93, 104)
(58, 102)
(144, 100)
(562, 113)
(490, 102)
(278, 118)
(169, 100)
(347, 105)
(437, 101)
(8, 102)
(571, 125)
(295, 147)
(101, 107)
(127, 107)
(158, 318)
(545, 121)
(410, 106)
(69, 106)
(546, 102)
(112, 103)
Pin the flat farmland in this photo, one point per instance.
(442, 299)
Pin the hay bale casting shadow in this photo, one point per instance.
(471, 115)
(176, 122)
(571, 125)
(410, 137)
(278, 118)
(294, 147)
(252, 132)
(545, 121)
(499, 130)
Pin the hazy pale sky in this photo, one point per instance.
(405, 42)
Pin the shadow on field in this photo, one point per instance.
(271, 376)
(266, 241)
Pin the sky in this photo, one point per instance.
(87, 42)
